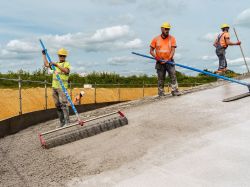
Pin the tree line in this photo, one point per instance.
(101, 78)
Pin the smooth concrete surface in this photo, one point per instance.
(209, 146)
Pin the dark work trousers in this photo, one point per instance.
(221, 52)
(61, 104)
(161, 72)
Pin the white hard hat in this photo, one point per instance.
(82, 92)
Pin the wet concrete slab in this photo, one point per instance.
(199, 141)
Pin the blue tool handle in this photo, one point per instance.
(60, 81)
(198, 70)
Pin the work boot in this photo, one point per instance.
(224, 69)
(175, 93)
(221, 71)
(61, 118)
(161, 94)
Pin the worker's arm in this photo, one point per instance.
(172, 53)
(152, 51)
(232, 43)
(64, 70)
(46, 63)
(215, 43)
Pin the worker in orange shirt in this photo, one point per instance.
(163, 47)
(221, 43)
(77, 99)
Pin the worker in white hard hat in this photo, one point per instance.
(62, 69)
(221, 43)
(78, 97)
(163, 47)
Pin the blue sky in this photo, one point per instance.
(100, 35)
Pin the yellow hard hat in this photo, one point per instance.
(63, 52)
(166, 25)
(224, 26)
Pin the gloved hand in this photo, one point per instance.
(172, 61)
(44, 52)
(238, 43)
(53, 63)
(158, 59)
(50, 66)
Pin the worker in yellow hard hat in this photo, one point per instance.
(221, 43)
(62, 69)
(162, 47)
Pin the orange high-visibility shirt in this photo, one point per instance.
(163, 47)
(223, 36)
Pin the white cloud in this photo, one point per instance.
(20, 46)
(121, 60)
(243, 18)
(63, 39)
(106, 39)
(110, 33)
(110, 38)
(14, 55)
(209, 37)
(111, 28)
(238, 61)
(19, 50)
(113, 46)
(133, 44)
(209, 58)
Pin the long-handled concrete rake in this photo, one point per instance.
(63, 135)
(210, 74)
(241, 50)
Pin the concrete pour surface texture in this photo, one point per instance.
(192, 140)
